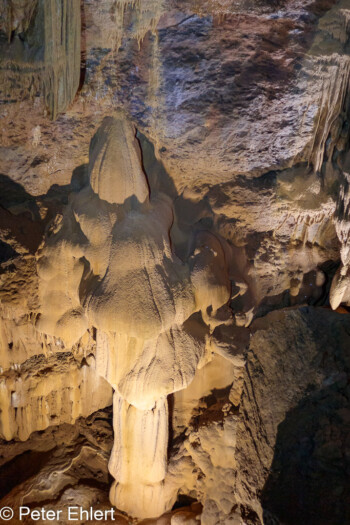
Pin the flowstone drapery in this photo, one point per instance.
(109, 264)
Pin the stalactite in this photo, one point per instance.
(50, 60)
(61, 53)
(332, 97)
(144, 14)
(340, 289)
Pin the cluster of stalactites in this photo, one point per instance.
(340, 289)
(144, 16)
(16, 16)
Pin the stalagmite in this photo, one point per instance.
(110, 264)
(138, 461)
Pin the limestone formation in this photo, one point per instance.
(340, 289)
(59, 391)
(115, 164)
(175, 260)
(109, 264)
(48, 53)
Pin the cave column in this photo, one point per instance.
(138, 460)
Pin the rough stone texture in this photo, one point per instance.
(298, 400)
(47, 391)
(174, 218)
(59, 458)
(282, 455)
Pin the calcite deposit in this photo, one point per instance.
(112, 249)
(175, 260)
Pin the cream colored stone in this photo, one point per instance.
(109, 264)
(115, 163)
(59, 393)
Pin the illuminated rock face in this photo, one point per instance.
(110, 265)
(174, 234)
(139, 459)
(32, 402)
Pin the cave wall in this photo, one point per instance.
(174, 239)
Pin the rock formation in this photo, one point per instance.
(49, 58)
(175, 260)
(110, 265)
